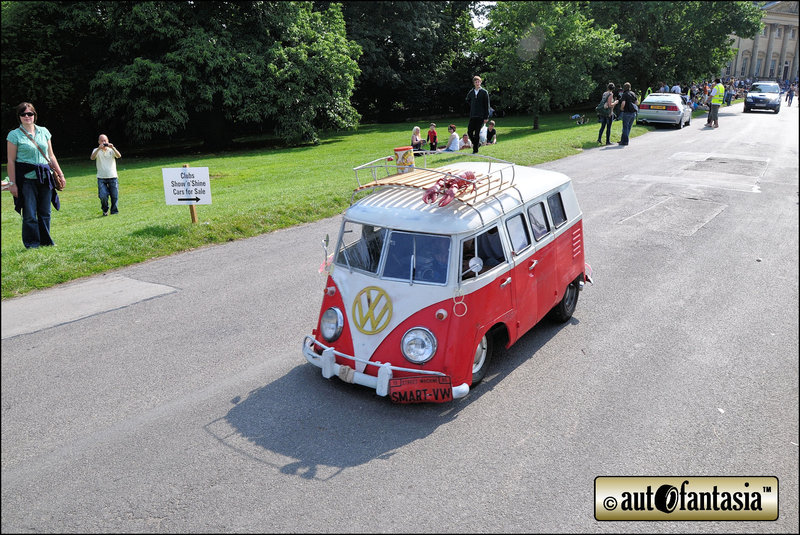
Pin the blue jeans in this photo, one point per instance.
(36, 199)
(627, 123)
(605, 122)
(108, 187)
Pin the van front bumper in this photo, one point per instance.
(380, 383)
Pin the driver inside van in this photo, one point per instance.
(490, 249)
(433, 262)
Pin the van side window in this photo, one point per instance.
(490, 248)
(467, 253)
(539, 222)
(557, 209)
(518, 233)
(486, 246)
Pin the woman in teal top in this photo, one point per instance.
(30, 179)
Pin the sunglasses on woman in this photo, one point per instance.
(27, 114)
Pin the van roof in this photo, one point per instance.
(396, 200)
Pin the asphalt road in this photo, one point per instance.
(172, 396)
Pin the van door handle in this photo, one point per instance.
(506, 282)
(533, 265)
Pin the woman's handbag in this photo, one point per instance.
(59, 181)
(602, 109)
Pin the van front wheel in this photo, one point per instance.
(482, 358)
(563, 311)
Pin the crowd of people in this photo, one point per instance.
(487, 135)
(708, 94)
(480, 130)
(699, 93)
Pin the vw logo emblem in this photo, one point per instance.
(372, 310)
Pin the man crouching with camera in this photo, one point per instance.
(105, 155)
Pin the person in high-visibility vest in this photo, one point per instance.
(717, 96)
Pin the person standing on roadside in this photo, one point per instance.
(730, 90)
(32, 172)
(606, 120)
(717, 95)
(478, 100)
(618, 98)
(629, 107)
(105, 156)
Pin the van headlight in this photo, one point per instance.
(418, 345)
(330, 326)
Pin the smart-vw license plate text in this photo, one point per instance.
(421, 389)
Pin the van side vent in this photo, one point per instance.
(577, 242)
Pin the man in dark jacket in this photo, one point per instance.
(478, 100)
(630, 107)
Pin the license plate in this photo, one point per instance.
(421, 389)
(658, 107)
(759, 105)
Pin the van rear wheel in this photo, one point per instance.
(482, 358)
(563, 311)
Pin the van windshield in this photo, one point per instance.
(361, 247)
(394, 254)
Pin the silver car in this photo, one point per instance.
(665, 108)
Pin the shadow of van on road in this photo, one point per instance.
(325, 426)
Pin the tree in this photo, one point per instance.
(201, 68)
(417, 56)
(676, 41)
(50, 53)
(542, 54)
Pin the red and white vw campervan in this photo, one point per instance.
(432, 263)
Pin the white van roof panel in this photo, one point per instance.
(401, 206)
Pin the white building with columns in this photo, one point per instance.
(773, 52)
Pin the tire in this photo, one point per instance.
(777, 109)
(563, 311)
(746, 109)
(482, 358)
(689, 122)
(680, 124)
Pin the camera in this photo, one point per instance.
(105, 144)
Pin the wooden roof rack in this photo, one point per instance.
(485, 184)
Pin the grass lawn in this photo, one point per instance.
(253, 191)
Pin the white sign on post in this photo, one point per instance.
(187, 185)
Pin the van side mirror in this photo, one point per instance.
(325, 243)
(476, 264)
